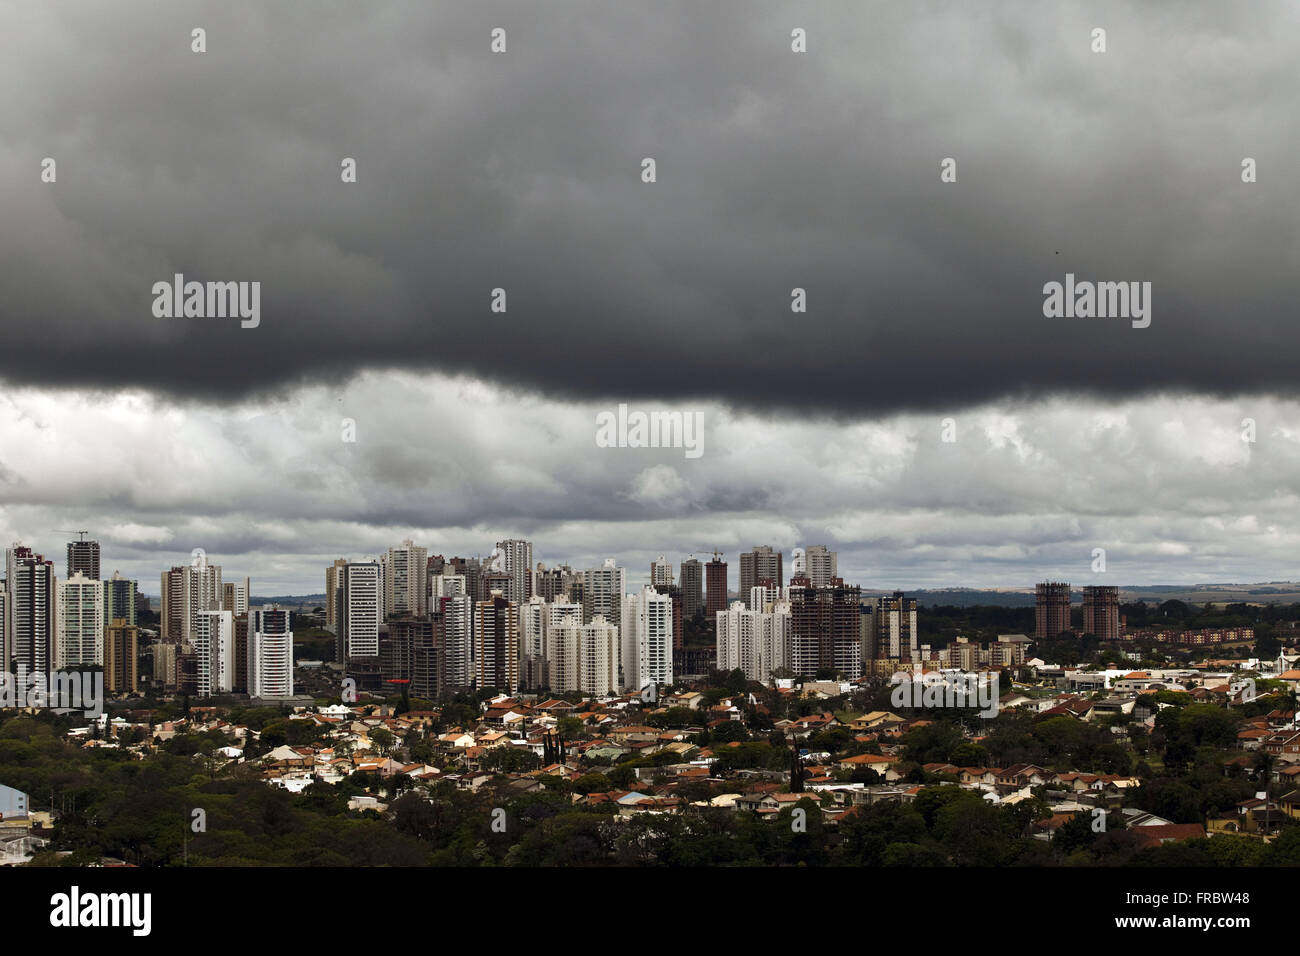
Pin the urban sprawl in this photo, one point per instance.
(467, 711)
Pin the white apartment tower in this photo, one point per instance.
(822, 565)
(214, 646)
(358, 609)
(458, 642)
(602, 591)
(444, 585)
(646, 652)
(516, 559)
(30, 623)
(661, 572)
(270, 654)
(756, 642)
(80, 614)
(584, 657)
(406, 570)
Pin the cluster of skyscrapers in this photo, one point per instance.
(509, 623)
(209, 640)
(212, 642)
(81, 621)
(431, 624)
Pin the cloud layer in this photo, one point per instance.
(1026, 491)
(776, 170)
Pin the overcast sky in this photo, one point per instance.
(775, 170)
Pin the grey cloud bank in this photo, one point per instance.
(775, 170)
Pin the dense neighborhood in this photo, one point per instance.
(1197, 764)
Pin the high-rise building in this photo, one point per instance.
(187, 592)
(214, 650)
(80, 630)
(825, 629)
(1051, 609)
(399, 642)
(458, 639)
(445, 585)
(558, 582)
(121, 653)
(121, 599)
(646, 639)
(242, 642)
(757, 565)
(31, 621)
(270, 653)
(83, 558)
(715, 581)
(496, 644)
(757, 642)
(516, 560)
(537, 619)
(692, 580)
(429, 668)
(661, 572)
(603, 590)
(532, 643)
(679, 613)
(472, 569)
(1101, 612)
(406, 580)
(358, 607)
(235, 597)
(332, 576)
(821, 564)
(584, 657)
(895, 636)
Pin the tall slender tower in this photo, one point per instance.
(1051, 609)
(715, 580)
(692, 577)
(31, 598)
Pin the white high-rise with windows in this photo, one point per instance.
(532, 643)
(516, 560)
(359, 599)
(270, 653)
(602, 591)
(214, 646)
(458, 647)
(821, 564)
(584, 657)
(646, 651)
(661, 572)
(80, 615)
(756, 642)
(188, 591)
(406, 570)
(444, 585)
(31, 622)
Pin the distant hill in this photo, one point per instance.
(1278, 592)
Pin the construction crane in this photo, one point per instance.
(64, 531)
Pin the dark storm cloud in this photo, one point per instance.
(775, 170)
